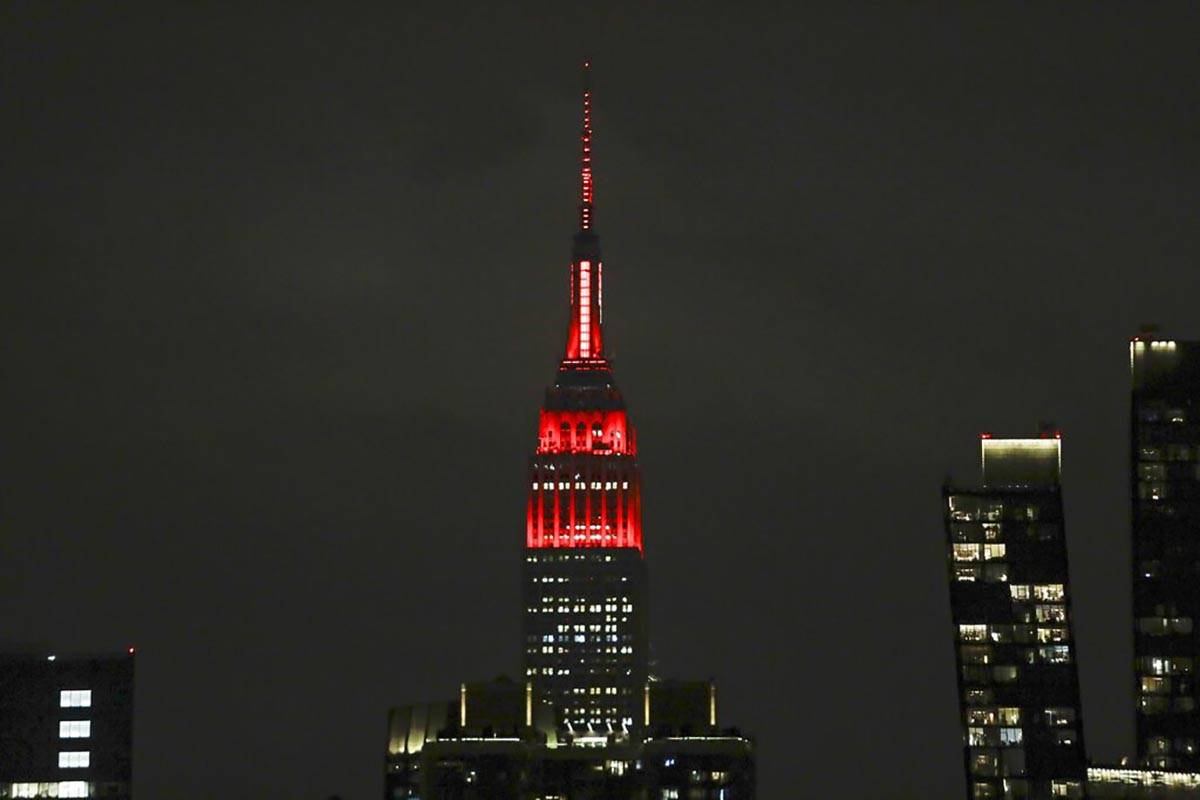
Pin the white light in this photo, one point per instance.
(68, 759)
(75, 698)
(74, 729)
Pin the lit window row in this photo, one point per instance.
(994, 572)
(1004, 715)
(52, 789)
(75, 698)
(1054, 592)
(978, 552)
(1156, 665)
(994, 737)
(74, 759)
(1144, 777)
(74, 729)
(1013, 634)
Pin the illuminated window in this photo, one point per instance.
(993, 551)
(1155, 685)
(1055, 654)
(966, 572)
(981, 716)
(1008, 715)
(1155, 665)
(1073, 790)
(973, 633)
(75, 698)
(1152, 490)
(1051, 613)
(981, 737)
(69, 759)
(74, 729)
(977, 696)
(1020, 591)
(56, 789)
(1010, 737)
(1056, 634)
(1049, 591)
(967, 552)
(984, 764)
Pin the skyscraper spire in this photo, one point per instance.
(585, 339)
(585, 157)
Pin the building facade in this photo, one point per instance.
(584, 584)
(1165, 495)
(1011, 607)
(66, 726)
(490, 745)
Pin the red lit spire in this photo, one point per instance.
(585, 340)
(585, 155)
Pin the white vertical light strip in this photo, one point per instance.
(585, 309)
(600, 290)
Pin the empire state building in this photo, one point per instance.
(584, 579)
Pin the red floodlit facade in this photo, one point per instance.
(585, 585)
(585, 488)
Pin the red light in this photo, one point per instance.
(985, 436)
(132, 650)
(585, 488)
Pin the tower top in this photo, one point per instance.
(585, 339)
(586, 193)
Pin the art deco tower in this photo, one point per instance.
(584, 581)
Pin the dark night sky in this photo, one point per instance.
(282, 289)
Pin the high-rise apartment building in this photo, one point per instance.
(1165, 491)
(1011, 606)
(66, 726)
(584, 583)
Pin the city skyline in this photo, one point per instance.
(280, 316)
